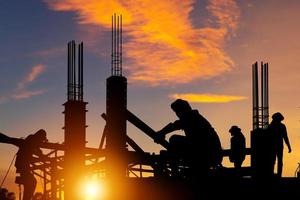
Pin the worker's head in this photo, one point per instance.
(180, 107)
(41, 135)
(234, 129)
(277, 117)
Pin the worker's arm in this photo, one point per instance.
(167, 129)
(38, 152)
(286, 139)
(9, 140)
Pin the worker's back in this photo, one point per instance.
(204, 140)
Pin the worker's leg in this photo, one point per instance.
(177, 149)
(29, 186)
(238, 164)
(238, 168)
(279, 162)
(178, 143)
(273, 156)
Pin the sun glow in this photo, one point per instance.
(94, 190)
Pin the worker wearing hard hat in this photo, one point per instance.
(27, 150)
(278, 134)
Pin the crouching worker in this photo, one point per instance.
(200, 146)
(29, 148)
(237, 147)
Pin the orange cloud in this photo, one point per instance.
(207, 98)
(163, 45)
(226, 12)
(32, 75)
(35, 72)
(24, 94)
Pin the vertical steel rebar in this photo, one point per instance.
(121, 46)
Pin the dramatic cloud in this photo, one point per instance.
(163, 46)
(207, 98)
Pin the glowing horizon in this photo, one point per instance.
(207, 98)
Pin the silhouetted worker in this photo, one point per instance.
(25, 154)
(237, 147)
(200, 145)
(278, 133)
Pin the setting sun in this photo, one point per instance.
(93, 190)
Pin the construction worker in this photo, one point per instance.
(200, 145)
(278, 134)
(237, 147)
(27, 150)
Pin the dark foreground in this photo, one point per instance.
(212, 188)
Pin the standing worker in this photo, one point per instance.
(278, 133)
(27, 150)
(200, 145)
(237, 147)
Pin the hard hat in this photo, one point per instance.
(41, 135)
(181, 105)
(277, 116)
(234, 129)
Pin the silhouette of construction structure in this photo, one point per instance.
(143, 175)
(116, 106)
(260, 103)
(75, 124)
(261, 156)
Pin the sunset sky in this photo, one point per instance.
(198, 50)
